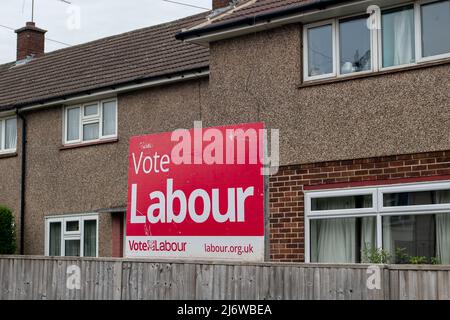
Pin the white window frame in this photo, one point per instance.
(372, 40)
(435, 208)
(375, 41)
(340, 193)
(3, 135)
(380, 38)
(66, 232)
(378, 210)
(70, 235)
(418, 33)
(84, 120)
(333, 49)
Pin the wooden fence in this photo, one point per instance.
(69, 278)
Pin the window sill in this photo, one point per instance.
(421, 65)
(8, 155)
(88, 144)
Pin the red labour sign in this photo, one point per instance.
(197, 194)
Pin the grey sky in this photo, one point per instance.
(98, 19)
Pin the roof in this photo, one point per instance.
(251, 12)
(260, 6)
(137, 55)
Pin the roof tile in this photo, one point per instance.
(143, 53)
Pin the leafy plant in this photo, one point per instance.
(401, 256)
(435, 260)
(418, 260)
(7, 231)
(375, 255)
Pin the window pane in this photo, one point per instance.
(354, 45)
(109, 118)
(416, 198)
(398, 36)
(409, 236)
(342, 240)
(73, 124)
(347, 202)
(72, 248)
(10, 134)
(435, 28)
(91, 110)
(55, 239)
(90, 131)
(72, 226)
(320, 50)
(90, 238)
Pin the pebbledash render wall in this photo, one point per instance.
(391, 123)
(10, 175)
(93, 179)
(252, 78)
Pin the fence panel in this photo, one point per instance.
(40, 278)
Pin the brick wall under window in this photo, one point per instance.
(287, 186)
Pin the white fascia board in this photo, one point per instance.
(303, 18)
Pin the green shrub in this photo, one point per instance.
(401, 257)
(375, 255)
(435, 260)
(418, 260)
(7, 231)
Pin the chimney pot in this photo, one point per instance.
(30, 41)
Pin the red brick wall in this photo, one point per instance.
(30, 40)
(216, 4)
(286, 190)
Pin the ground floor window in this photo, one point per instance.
(407, 224)
(73, 236)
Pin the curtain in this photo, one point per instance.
(443, 237)
(11, 134)
(90, 238)
(72, 248)
(109, 118)
(55, 239)
(398, 36)
(403, 38)
(73, 124)
(336, 240)
(443, 229)
(90, 131)
(388, 242)
(368, 232)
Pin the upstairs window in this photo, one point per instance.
(337, 47)
(91, 122)
(8, 135)
(409, 34)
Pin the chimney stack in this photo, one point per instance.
(217, 4)
(30, 41)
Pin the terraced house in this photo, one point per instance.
(360, 91)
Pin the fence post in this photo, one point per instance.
(117, 276)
